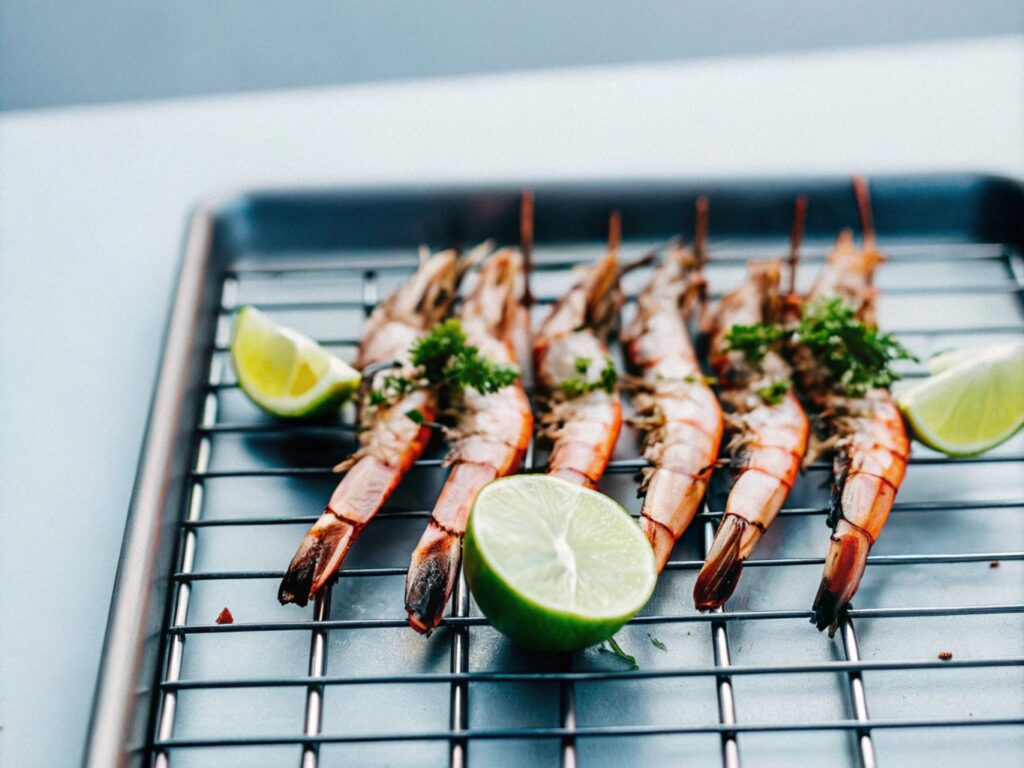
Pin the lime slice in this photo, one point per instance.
(943, 361)
(284, 372)
(555, 566)
(971, 406)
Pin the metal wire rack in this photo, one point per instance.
(347, 683)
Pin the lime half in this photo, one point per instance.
(555, 566)
(284, 372)
(973, 404)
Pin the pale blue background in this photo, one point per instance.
(55, 52)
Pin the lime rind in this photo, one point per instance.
(973, 405)
(284, 372)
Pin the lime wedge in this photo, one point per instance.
(972, 405)
(943, 361)
(284, 372)
(555, 566)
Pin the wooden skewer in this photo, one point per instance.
(526, 241)
(867, 226)
(700, 232)
(796, 237)
(614, 232)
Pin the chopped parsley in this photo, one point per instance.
(855, 357)
(443, 358)
(774, 393)
(657, 643)
(415, 415)
(393, 387)
(576, 387)
(754, 341)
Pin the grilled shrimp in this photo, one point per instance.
(390, 441)
(489, 439)
(769, 434)
(872, 447)
(674, 404)
(581, 412)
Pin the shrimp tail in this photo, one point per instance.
(317, 559)
(844, 565)
(431, 577)
(722, 567)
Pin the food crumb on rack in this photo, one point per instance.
(225, 617)
(945, 655)
(994, 564)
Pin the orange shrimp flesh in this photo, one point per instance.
(768, 441)
(872, 446)
(676, 407)
(570, 349)
(490, 436)
(390, 441)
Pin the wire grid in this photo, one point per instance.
(374, 691)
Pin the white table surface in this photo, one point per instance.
(93, 203)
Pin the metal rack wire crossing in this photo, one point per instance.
(460, 735)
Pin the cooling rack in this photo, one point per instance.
(225, 493)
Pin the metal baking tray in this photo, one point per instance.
(223, 494)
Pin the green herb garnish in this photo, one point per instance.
(774, 393)
(616, 650)
(754, 341)
(468, 368)
(609, 376)
(392, 388)
(415, 415)
(443, 358)
(855, 357)
(657, 643)
(573, 388)
(434, 351)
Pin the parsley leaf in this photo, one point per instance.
(774, 393)
(573, 388)
(657, 643)
(434, 351)
(468, 368)
(415, 415)
(609, 376)
(753, 341)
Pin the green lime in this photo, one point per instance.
(555, 566)
(943, 361)
(284, 372)
(972, 405)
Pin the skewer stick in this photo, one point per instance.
(614, 232)
(796, 237)
(867, 226)
(700, 232)
(526, 241)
